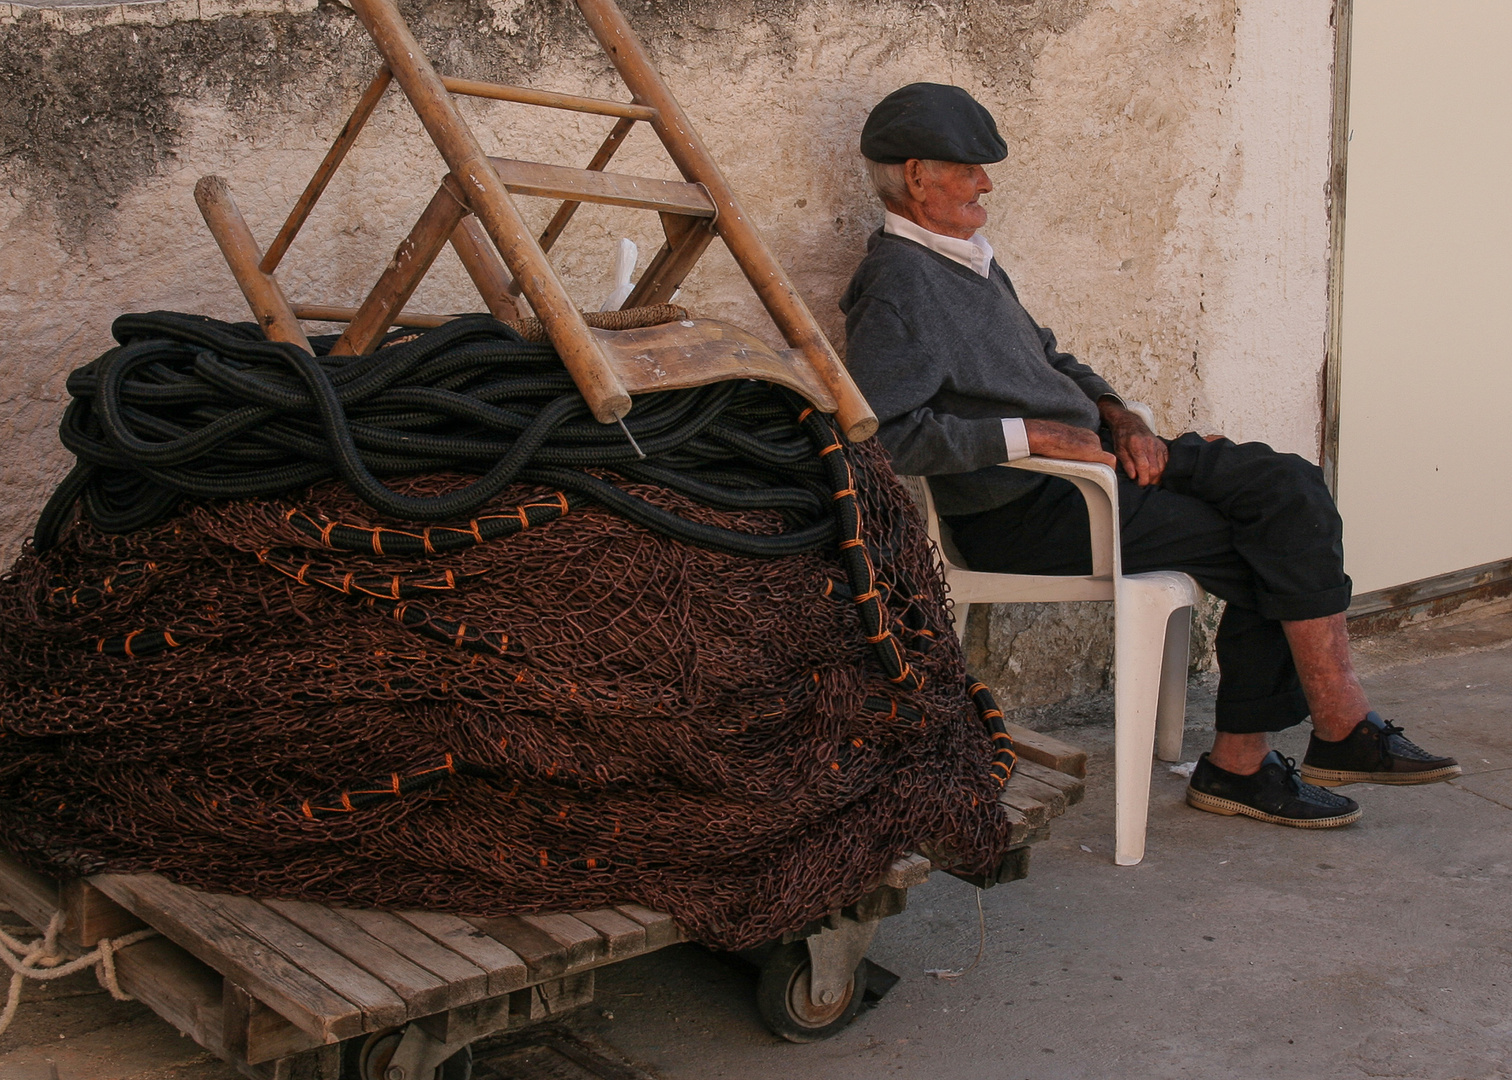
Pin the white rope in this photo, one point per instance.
(42, 960)
(948, 973)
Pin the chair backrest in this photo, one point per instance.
(1097, 485)
(939, 531)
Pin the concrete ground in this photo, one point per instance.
(1236, 950)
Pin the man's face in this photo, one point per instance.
(944, 195)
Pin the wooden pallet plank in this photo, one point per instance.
(506, 970)
(661, 930)
(90, 916)
(270, 1036)
(211, 937)
(583, 944)
(1018, 824)
(255, 1033)
(422, 991)
(1073, 787)
(910, 870)
(543, 955)
(1035, 812)
(1052, 798)
(29, 894)
(1045, 750)
(176, 986)
(466, 978)
(546, 999)
(380, 1006)
(623, 937)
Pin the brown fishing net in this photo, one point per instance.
(259, 696)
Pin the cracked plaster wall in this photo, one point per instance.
(1162, 205)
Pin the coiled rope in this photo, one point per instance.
(191, 407)
(43, 960)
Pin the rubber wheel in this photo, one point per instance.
(782, 997)
(368, 1059)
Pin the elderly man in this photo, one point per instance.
(962, 380)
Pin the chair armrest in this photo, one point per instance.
(1098, 485)
(1100, 474)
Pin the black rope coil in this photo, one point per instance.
(189, 407)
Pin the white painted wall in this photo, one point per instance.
(1426, 358)
(1268, 314)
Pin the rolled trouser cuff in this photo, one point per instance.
(1277, 713)
(1313, 605)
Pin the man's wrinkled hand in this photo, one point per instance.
(1049, 438)
(1142, 454)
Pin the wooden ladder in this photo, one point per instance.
(474, 210)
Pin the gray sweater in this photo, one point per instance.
(942, 355)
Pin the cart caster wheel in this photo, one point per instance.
(368, 1059)
(782, 997)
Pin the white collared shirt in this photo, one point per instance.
(976, 255)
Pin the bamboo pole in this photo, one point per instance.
(331, 313)
(549, 98)
(400, 278)
(263, 295)
(586, 360)
(761, 268)
(334, 156)
(486, 269)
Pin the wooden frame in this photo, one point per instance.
(1338, 160)
(474, 211)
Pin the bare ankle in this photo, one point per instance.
(1340, 725)
(1240, 754)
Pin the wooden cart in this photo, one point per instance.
(291, 990)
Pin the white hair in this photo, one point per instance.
(887, 181)
(890, 182)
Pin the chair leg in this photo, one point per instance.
(1170, 715)
(1140, 633)
(961, 613)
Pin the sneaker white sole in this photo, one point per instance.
(1337, 777)
(1228, 807)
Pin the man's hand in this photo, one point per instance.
(1048, 438)
(1142, 455)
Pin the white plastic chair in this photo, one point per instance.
(1151, 634)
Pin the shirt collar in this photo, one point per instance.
(974, 254)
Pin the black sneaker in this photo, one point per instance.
(1375, 752)
(1275, 794)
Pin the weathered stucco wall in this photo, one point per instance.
(1162, 205)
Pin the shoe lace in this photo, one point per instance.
(1403, 747)
(1296, 782)
(1383, 741)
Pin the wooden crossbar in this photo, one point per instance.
(549, 98)
(473, 210)
(335, 313)
(596, 186)
(334, 156)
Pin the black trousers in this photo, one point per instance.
(1255, 527)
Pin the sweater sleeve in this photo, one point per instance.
(893, 369)
(1090, 382)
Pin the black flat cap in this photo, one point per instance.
(931, 121)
